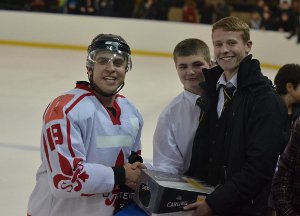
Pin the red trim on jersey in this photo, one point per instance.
(115, 120)
(69, 138)
(87, 195)
(46, 111)
(118, 112)
(68, 122)
(77, 101)
(46, 152)
(120, 159)
(121, 96)
(84, 87)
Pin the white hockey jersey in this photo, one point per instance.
(81, 140)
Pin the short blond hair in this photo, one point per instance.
(232, 23)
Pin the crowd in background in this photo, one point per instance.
(283, 16)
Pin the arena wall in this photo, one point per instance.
(146, 37)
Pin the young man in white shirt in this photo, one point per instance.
(178, 122)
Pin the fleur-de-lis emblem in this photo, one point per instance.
(72, 177)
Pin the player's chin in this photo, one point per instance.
(109, 89)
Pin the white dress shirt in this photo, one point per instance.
(174, 134)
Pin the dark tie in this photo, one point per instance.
(228, 93)
(201, 103)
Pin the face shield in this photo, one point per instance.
(118, 59)
(105, 52)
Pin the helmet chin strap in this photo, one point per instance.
(99, 91)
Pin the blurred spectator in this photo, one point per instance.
(61, 6)
(206, 11)
(41, 5)
(268, 22)
(287, 82)
(72, 7)
(146, 9)
(255, 20)
(178, 3)
(295, 11)
(14, 4)
(286, 22)
(87, 7)
(284, 5)
(295, 7)
(296, 31)
(189, 11)
(163, 8)
(222, 10)
(259, 7)
(124, 8)
(105, 8)
(136, 9)
(285, 187)
(36, 5)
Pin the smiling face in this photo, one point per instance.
(189, 69)
(230, 49)
(108, 72)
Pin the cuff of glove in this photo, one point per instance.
(119, 175)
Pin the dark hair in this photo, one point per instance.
(191, 46)
(288, 73)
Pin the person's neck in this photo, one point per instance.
(106, 101)
(198, 91)
(229, 74)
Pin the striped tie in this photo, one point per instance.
(201, 103)
(228, 93)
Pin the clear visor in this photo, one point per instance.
(118, 58)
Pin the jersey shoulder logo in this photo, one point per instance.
(55, 110)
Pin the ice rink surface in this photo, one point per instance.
(32, 77)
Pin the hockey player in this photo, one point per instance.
(87, 136)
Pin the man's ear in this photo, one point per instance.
(289, 87)
(89, 70)
(249, 46)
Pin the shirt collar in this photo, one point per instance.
(191, 96)
(222, 81)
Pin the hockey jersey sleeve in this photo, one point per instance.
(64, 155)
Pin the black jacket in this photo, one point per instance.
(251, 143)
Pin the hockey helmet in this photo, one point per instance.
(111, 43)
